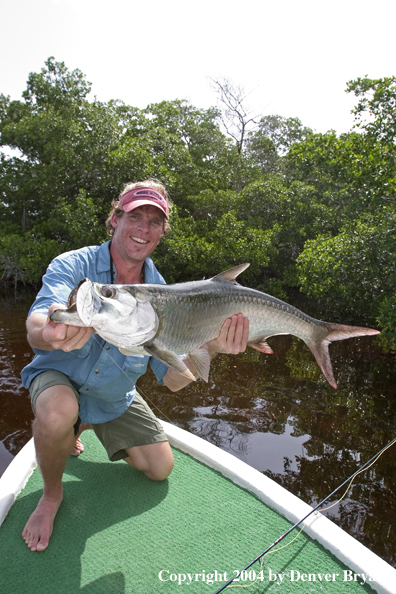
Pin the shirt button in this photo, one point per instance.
(107, 348)
(97, 371)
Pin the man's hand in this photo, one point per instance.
(233, 337)
(46, 335)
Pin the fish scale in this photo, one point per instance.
(215, 304)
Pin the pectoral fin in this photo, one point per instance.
(200, 358)
(171, 360)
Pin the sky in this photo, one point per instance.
(292, 57)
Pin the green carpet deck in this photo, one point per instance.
(116, 531)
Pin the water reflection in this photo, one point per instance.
(15, 412)
(269, 412)
(277, 413)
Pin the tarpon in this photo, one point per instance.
(167, 321)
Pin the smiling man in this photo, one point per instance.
(79, 381)
(137, 234)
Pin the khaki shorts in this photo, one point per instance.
(135, 427)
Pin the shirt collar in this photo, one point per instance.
(103, 264)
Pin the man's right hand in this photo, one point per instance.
(44, 334)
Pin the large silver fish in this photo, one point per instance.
(170, 320)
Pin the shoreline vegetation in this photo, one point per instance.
(312, 213)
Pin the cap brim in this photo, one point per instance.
(136, 203)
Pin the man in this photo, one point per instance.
(77, 375)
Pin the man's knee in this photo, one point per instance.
(155, 460)
(162, 471)
(57, 408)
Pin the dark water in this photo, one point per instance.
(274, 412)
(15, 353)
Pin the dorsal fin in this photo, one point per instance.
(231, 274)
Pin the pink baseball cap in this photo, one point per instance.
(142, 196)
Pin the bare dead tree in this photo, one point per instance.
(235, 115)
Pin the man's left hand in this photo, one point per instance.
(233, 337)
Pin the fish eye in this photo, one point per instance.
(107, 291)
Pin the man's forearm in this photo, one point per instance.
(176, 381)
(34, 327)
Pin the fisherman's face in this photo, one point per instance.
(137, 233)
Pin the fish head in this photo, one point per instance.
(117, 312)
(101, 305)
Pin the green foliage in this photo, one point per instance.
(283, 132)
(375, 111)
(387, 322)
(293, 214)
(261, 150)
(75, 225)
(192, 152)
(272, 139)
(56, 86)
(196, 249)
(354, 271)
(25, 257)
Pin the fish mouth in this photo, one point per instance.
(87, 302)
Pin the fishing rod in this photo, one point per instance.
(348, 480)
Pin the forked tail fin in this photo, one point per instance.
(320, 348)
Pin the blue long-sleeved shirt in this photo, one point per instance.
(103, 376)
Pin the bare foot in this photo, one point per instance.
(79, 448)
(38, 529)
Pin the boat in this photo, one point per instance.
(117, 532)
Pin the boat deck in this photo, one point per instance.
(117, 532)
